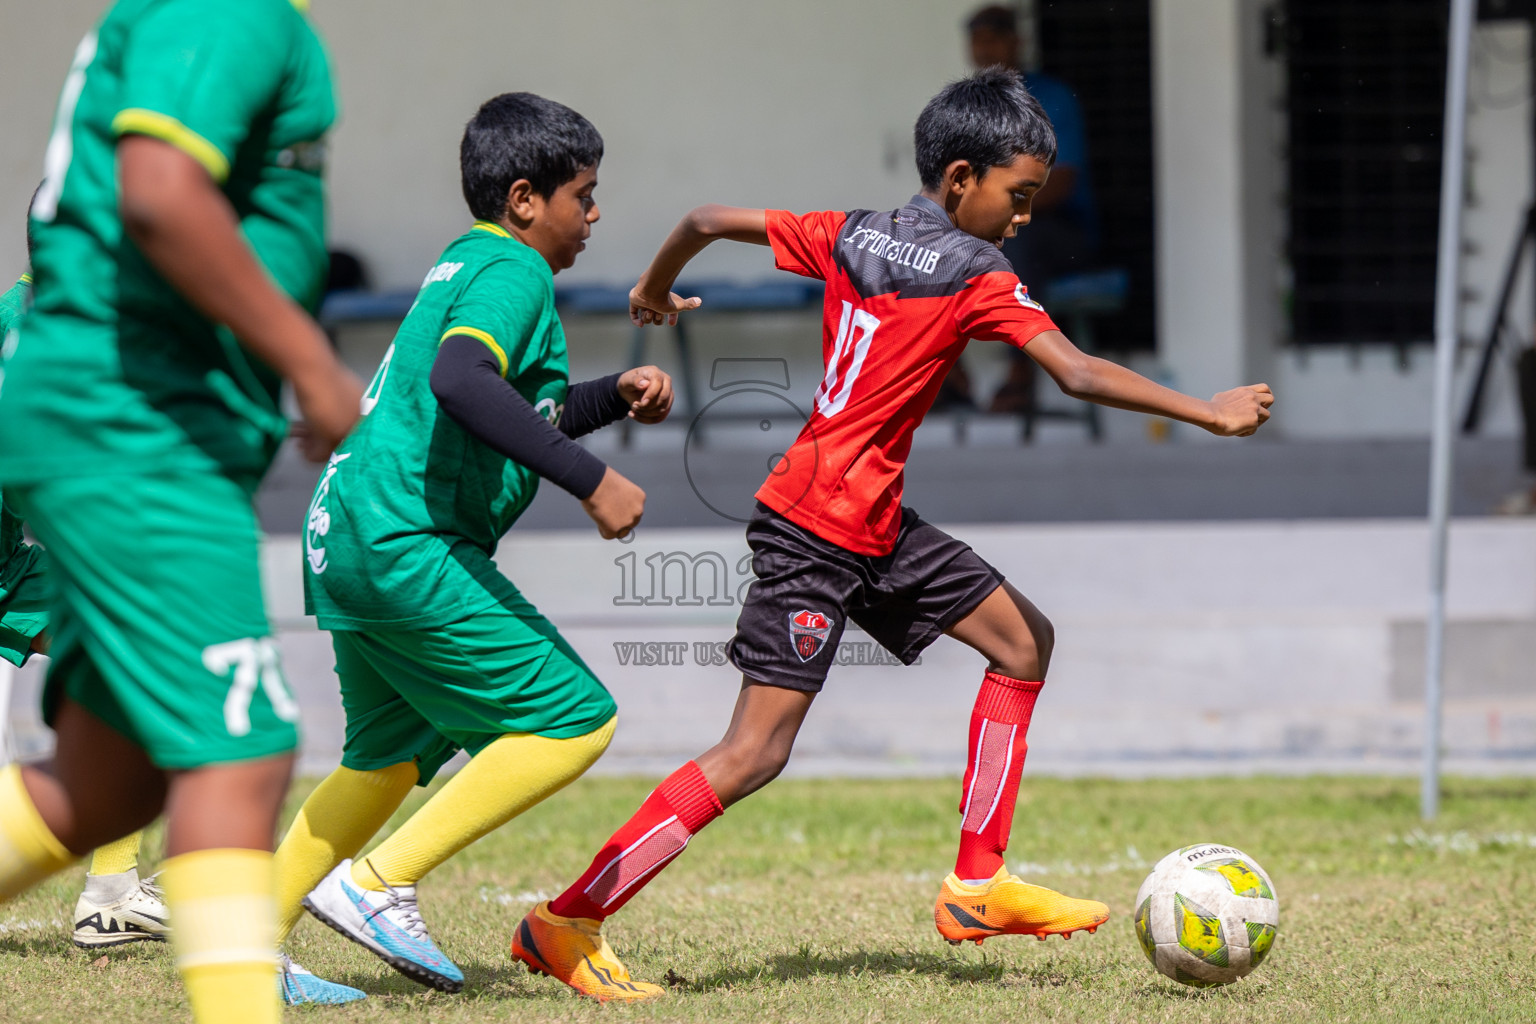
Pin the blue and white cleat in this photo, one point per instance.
(300, 986)
(386, 923)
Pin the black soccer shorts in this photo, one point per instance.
(808, 588)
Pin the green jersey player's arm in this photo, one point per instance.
(195, 77)
(186, 228)
(504, 308)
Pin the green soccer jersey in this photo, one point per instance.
(13, 552)
(114, 371)
(406, 516)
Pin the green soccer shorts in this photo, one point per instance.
(157, 624)
(421, 695)
(24, 609)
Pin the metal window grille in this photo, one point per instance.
(1103, 50)
(1365, 96)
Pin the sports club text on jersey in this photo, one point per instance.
(906, 254)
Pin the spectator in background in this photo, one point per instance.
(1062, 234)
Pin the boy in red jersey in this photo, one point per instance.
(906, 289)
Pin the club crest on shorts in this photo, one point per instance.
(808, 631)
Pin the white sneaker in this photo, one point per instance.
(121, 908)
(387, 923)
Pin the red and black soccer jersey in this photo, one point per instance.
(906, 289)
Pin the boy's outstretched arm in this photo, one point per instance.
(651, 301)
(1235, 413)
(187, 230)
(467, 383)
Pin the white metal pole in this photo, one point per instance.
(1447, 279)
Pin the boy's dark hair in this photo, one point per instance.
(520, 135)
(997, 19)
(989, 119)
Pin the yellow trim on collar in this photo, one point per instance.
(482, 336)
(495, 229)
(25, 279)
(302, 6)
(137, 121)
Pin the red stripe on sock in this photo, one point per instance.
(994, 762)
(650, 853)
(673, 814)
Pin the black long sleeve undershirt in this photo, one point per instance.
(593, 404)
(467, 383)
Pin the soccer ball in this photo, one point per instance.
(1207, 915)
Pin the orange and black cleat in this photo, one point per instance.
(1006, 905)
(573, 950)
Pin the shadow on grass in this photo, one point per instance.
(1170, 991)
(38, 943)
(804, 964)
(1053, 973)
(481, 980)
(1491, 789)
(58, 945)
(798, 966)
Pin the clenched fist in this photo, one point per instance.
(616, 506)
(1241, 411)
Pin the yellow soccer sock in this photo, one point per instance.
(502, 781)
(29, 851)
(115, 858)
(221, 901)
(340, 816)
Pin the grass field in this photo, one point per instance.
(813, 902)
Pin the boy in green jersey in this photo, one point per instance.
(117, 906)
(435, 649)
(179, 239)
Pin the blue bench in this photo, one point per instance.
(359, 307)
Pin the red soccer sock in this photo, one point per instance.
(673, 814)
(994, 761)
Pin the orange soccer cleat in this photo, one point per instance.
(1005, 905)
(573, 950)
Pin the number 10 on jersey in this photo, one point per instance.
(854, 333)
